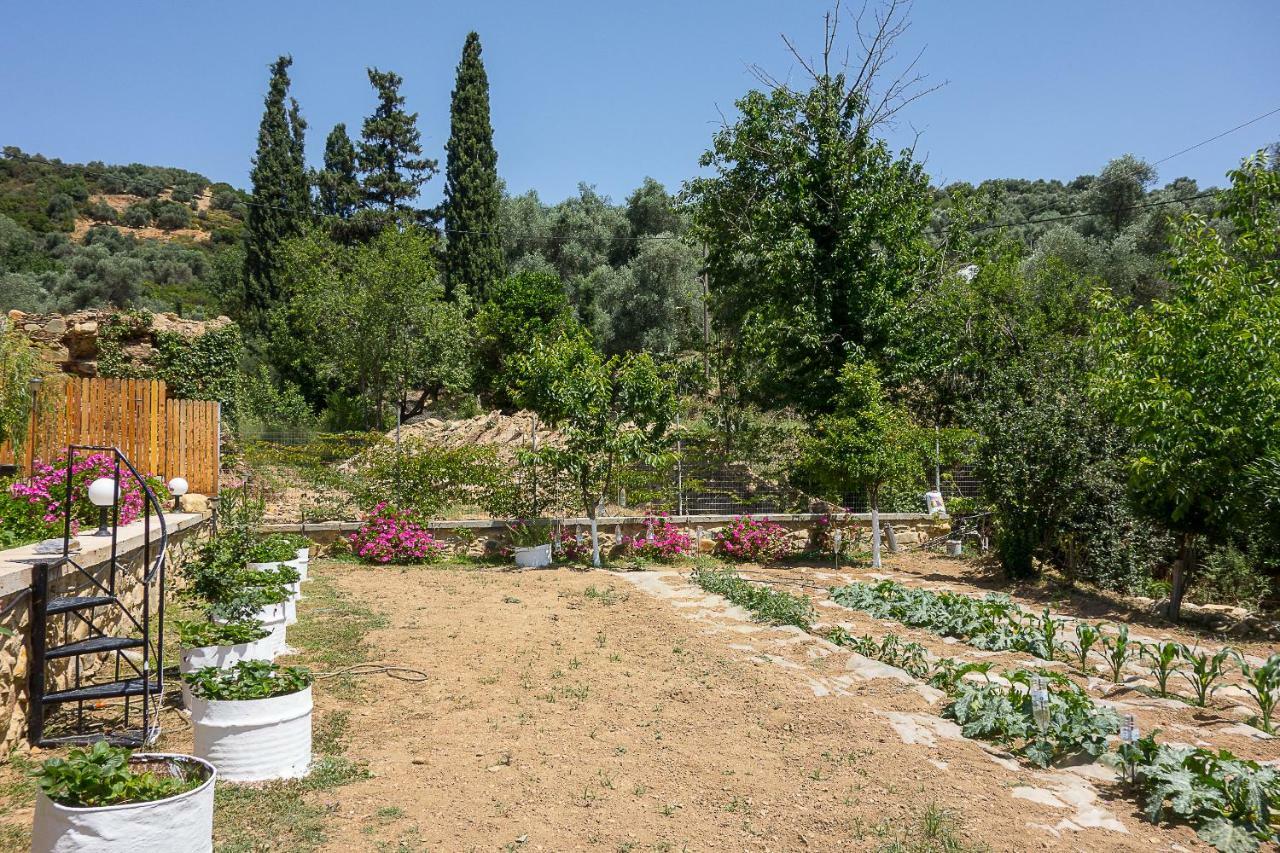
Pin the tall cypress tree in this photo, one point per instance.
(473, 259)
(390, 152)
(337, 187)
(280, 193)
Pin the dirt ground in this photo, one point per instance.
(571, 710)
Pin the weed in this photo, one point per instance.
(935, 830)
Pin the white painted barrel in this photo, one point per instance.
(252, 740)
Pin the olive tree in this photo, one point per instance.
(1196, 379)
(610, 412)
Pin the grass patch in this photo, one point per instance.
(767, 605)
(331, 629)
(935, 830)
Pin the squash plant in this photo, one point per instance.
(102, 776)
(248, 679)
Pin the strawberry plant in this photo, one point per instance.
(248, 679)
(196, 635)
(1263, 684)
(1115, 651)
(1164, 659)
(1204, 672)
(103, 776)
(1233, 803)
(1087, 636)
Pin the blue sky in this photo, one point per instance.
(606, 92)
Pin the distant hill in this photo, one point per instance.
(84, 235)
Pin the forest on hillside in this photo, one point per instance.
(1102, 350)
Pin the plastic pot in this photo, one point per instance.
(181, 824)
(252, 740)
(536, 557)
(223, 657)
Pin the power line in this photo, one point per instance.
(1159, 203)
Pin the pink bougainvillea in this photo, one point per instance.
(752, 540)
(660, 540)
(45, 491)
(395, 536)
(570, 548)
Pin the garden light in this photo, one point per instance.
(178, 487)
(103, 492)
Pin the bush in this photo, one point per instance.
(432, 480)
(752, 541)
(45, 494)
(661, 540)
(395, 536)
(137, 216)
(1230, 576)
(100, 211)
(170, 215)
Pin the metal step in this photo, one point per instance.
(109, 690)
(93, 645)
(67, 603)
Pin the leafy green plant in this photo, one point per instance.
(199, 634)
(1087, 636)
(1204, 672)
(1263, 684)
(248, 679)
(103, 775)
(1233, 803)
(1116, 649)
(528, 534)
(768, 605)
(1045, 629)
(1164, 659)
(271, 549)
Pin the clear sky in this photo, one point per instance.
(609, 92)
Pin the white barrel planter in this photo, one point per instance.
(300, 562)
(295, 588)
(252, 740)
(273, 618)
(181, 824)
(537, 557)
(222, 657)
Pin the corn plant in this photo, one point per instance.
(1040, 636)
(1205, 670)
(1087, 637)
(1164, 659)
(1115, 651)
(1263, 684)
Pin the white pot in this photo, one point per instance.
(181, 824)
(291, 608)
(223, 657)
(251, 740)
(273, 617)
(536, 557)
(300, 562)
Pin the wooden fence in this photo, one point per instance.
(171, 438)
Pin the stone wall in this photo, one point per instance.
(15, 640)
(70, 342)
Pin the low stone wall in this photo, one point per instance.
(16, 569)
(475, 537)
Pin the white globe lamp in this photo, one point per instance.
(103, 493)
(178, 487)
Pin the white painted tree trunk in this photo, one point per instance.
(875, 533)
(595, 543)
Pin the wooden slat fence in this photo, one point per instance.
(160, 436)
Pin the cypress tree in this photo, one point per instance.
(337, 187)
(390, 152)
(473, 258)
(280, 193)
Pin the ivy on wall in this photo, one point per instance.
(195, 367)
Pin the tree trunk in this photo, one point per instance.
(595, 535)
(1183, 570)
(874, 495)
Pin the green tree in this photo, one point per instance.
(610, 413)
(813, 228)
(280, 196)
(1116, 192)
(655, 303)
(1196, 379)
(472, 195)
(389, 153)
(521, 309)
(338, 191)
(866, 444)
(19, 364)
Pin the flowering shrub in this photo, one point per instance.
(660, 540)
(569, 548)
(753, 541)
(37, 502)
(395, 536)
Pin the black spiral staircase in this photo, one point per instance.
(107, 685)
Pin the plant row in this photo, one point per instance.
(1044, 716)
(995, 623)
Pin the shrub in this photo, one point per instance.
(248, 679)
(751, 540)
(100, 211)
(395, 536)
(136, 216)
(570, 548)
(661, 540)
(45, 493)
(171, 215)
(528, 534)
(102, 776)
(432, 480)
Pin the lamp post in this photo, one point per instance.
(178, 487)
(103, 493)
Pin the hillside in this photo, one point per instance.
(85, 235)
